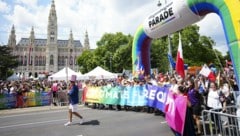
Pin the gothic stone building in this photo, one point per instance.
(46, 56)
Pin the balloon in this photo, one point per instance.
(177, 14)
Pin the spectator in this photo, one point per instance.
(54, 90)
(195, 99)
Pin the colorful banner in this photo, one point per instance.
(175, 111)
(7, 101)
(145, 95)
(32, 99)
(173, 105)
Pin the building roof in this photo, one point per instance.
(43, 42)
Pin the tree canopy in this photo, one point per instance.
(7, 62)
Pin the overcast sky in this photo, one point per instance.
(95, 16)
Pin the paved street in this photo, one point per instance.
(50, 122)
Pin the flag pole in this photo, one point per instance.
(170, 53)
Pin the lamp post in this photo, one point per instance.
(66, 62)
(170, 53)
(111, 62)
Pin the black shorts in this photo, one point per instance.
(196, 109)
(54, 94)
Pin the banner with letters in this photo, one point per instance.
(145, 95)
(173, 105)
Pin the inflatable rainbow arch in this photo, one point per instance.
(177, 14)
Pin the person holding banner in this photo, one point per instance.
(188, 127)
(195, 98)
(73, 101)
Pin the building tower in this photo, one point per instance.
(52, 46)
(86, 41)
(12, 38)
(70, 50)
(31, 53)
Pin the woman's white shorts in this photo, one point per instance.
(74, 107)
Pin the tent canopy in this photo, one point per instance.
(99, 73)
(13, 77)
(64, 74)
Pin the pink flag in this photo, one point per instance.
(205, 71)
(179, 60)
(175, 111)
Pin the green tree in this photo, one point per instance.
(158, 56)
(113, 51)
(107, 53)
(122, 57)
(197, 49)
(85, 61)
(7, 62)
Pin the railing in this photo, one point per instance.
(217, 123)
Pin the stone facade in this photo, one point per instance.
(46, 56)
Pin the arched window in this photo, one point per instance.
(71, 60)
(36, 60)
(44, 60)
(62, 60)
(59, 60)
(25, 60)
(40, 61)
(51, 60)
(21, 61)
(31, 60)
(66, 60)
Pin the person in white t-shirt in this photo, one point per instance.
(213, 102)
(174, 86)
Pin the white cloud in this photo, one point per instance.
(211, 26)
(95, 16)
(4, 7)
(27, 3)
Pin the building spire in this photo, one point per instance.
(52, 10)
(86, 41)
(52, 26)
(12, 38)
(70, 40)
(32, 36)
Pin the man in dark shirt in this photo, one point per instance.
(73, 101)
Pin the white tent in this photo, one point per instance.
(13, 77)
(99, 73)
(64, 74)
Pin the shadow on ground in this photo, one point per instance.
(92, 122)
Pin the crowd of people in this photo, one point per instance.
(202, 93)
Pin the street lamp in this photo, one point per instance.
(111, 62)
(66, 62)
(170, 53)
(104, 63)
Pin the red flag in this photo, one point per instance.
(205, 71)
(179, 60)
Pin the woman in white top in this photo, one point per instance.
(174, 86)
(213, 101)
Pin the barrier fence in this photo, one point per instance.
(217, 123)
(29, 99)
